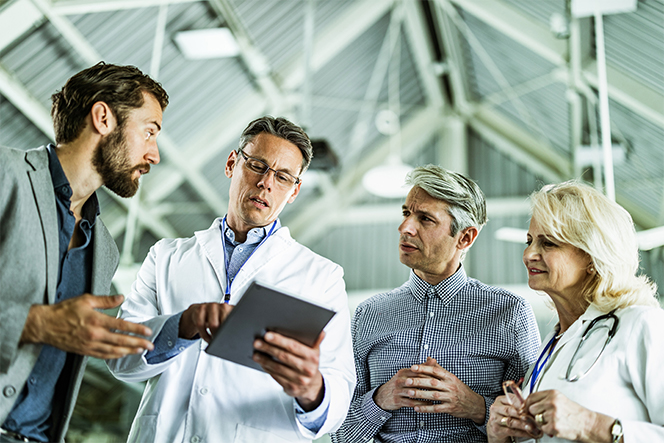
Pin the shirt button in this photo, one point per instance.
(181, 348)
(426, 346)
(195, 439)
(9, 391)
(170, 343)
(239, 249)
(421, 424)
(430, 314)
(204, 391)
(32, 380)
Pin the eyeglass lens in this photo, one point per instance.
(282, 178)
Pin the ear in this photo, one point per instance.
(230, 163)
(296, 191)
(103, 119)
(467, 237)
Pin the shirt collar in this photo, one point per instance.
(255, 235)
(445, 290)
(63, 190)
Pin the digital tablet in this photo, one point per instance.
(263, 308)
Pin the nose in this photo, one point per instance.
(407, 227)
(152, 156)
(267, 180)
(530, 253)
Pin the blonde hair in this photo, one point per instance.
(579, 215)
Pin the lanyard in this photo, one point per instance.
(537, 369)
(229, 282)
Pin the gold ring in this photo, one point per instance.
(503, 421)
(539, 419)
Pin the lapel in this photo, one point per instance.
(42, 189)
(210, 242)
(105, 258)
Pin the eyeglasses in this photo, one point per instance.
(515, 398)
(283, 179)
(584, 365)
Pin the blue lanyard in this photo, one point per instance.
(229, 282)
(537, 369)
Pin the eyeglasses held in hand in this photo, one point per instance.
(283, 179)
(515, 398)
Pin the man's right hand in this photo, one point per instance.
(74, 325)
(394, 394)
(203, 319)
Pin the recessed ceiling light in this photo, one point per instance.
(207, 43)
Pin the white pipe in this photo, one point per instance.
(605, 121)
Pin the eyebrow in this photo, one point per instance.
(288, 170)
(154, 122)
(420, 212)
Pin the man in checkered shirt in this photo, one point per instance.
(432, 354)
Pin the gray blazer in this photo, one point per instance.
(29, 272)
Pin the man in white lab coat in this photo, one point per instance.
(186, 288)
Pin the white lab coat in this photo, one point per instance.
(626, 383)
(195, 397)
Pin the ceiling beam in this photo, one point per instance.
(357, 18)
(529, 33)
(520, 145)
(75, 7)
(420, 46)
(14, 91)
(537, 37)
(312, 222)
(16, 19)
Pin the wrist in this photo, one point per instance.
(309, 403)
(599, 430)
(479, 412)
(32, 328)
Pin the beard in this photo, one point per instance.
(111, 160)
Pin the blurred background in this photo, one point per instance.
(513, 93)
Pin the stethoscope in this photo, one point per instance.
(587, 333)
(590, 329)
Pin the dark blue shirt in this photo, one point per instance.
(31, 414)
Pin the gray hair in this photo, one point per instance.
(465, 200)
(282, 128)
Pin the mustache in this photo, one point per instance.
(410, 240)
(144, 166)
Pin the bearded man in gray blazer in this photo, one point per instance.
(55, 251)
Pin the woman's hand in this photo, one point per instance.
(506, 421)
(560, 417)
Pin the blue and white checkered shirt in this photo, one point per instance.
(482, 334)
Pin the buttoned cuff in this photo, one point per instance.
(372, 412)
(167, 344)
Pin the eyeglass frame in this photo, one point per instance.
(246, 157)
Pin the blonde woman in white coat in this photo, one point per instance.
(582, 252)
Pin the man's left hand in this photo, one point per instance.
(294, 366)
(439, 385)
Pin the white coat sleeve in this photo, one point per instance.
(142, 306)
(336, 356)
(644, 362)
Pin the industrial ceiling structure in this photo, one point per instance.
(510, 92)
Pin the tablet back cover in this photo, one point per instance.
(263, 308)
